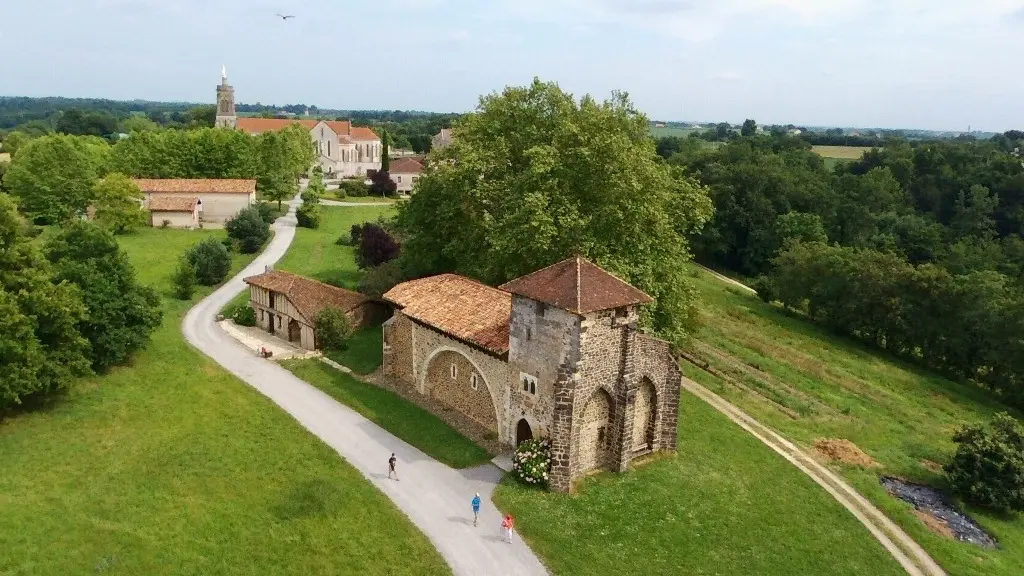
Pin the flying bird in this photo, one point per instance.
(284, 17)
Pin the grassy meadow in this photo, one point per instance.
(173, 466)
(809, 384)
(725, 504)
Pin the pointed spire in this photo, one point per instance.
(223, 72)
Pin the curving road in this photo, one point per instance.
(434, 496)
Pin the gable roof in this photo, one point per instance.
(173, 204)
(197, 185)
(362, 133)
(577, 285)
(307, 295)
(405, 166)
(343, 128)
(463, 308)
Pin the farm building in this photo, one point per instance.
(175, 211)
(217, 199)
(405, 172)
(287, 304)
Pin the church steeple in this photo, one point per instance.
(226, 117)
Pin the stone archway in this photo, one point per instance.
(645, 416)
(454, 380)
(523, 431)
(595, 432)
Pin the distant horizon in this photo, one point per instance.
(704, 123)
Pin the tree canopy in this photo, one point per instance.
(53, 175)
(537, 176)
(118, 203)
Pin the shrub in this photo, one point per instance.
(356, 188)
(249, 228)
(267, 212)
(375, 247)
(211, 261)
(244, 316)
(988, 468)
(382, 184)
(332, 329)
(308, 216)
(355, 233)
(184, 279)
(380, 279)
(532, 462)
(765, 288)
(165, 223)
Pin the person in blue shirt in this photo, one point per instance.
(476, 508)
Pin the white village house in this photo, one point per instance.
(405, 172)
(343, 150)
(186, 202)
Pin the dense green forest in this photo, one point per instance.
(916, 248)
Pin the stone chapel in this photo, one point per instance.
(556, 354)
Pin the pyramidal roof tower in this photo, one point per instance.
(226, 117)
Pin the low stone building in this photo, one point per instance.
(287, 304)
(405, 172)
(554, 354)
(217, 199)
(174, 211)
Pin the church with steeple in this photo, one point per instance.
(226, 117)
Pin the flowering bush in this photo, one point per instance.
(532, 461)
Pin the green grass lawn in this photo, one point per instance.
(365, 351)
(173, 466)
(393, 413)
(725, 505)
(315, 253)
(809, 384)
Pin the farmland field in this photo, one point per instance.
(840, 152)
(810, 385)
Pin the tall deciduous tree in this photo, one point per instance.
(749, 128)
(121, 313)
(13, 141)
(53, 176)
(536, 176)
(118, 203)
(40, 345)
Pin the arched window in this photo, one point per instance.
(474, 382)
(455, 371)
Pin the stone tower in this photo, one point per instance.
(606, 392)
(226, 117)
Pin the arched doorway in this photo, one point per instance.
(523, 431)
(595, 432)
(294, 331)
(454, 380)
(645, 416)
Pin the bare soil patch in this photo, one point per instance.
(935, 524)
(844, 451)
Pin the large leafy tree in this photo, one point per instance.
(537, 176)
(53, 175)
(121, 313)
(41, 350)
(117, 200)
(13, 141)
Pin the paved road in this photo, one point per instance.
(435, 497)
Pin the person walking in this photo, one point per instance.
(508, 524)
(391, 467)
(476, 508)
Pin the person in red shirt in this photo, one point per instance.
(508, 524)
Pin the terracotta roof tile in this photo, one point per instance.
(464, 308)
(405, 166)
(260, 125)
(173, 203)
(307, 295)
(197, 185)
(363, 133)
(577, 285)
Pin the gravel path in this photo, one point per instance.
(435, 497)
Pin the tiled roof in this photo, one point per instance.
(577, 285)
(260, 125)
(405, 166)
(307, 295)
(197, 185)
(463, 308)
(363, 133)
(173, 203)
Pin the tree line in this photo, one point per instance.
(915, 248)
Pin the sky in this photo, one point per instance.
(927, 64)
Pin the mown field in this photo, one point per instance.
(173, 466)
(840, 152)
(810, 385)
(725, 504)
